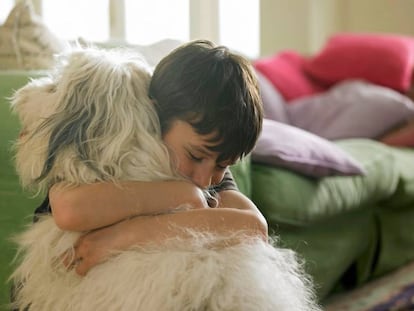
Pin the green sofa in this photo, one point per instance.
(16, 206)
(347, 229)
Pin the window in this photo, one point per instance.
(239, 26)
(71, 19)
(150, 21)
(5, 8)
(233, 23)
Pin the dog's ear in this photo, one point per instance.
(33, 103)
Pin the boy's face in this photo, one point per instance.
(193, 159)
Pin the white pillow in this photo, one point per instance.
(26, 42)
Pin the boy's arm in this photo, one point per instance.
(93, 206)
(96, 246)
(237, 200)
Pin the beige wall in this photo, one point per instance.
(304, 25)
(386, 16)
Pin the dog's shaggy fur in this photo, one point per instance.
(92, 121)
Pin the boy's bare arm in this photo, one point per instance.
(93, 206)
(95, 247)
(237, 200)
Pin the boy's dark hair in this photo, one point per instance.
(215, 91)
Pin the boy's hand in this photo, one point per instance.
(95, 247)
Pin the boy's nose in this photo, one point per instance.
(202, 177)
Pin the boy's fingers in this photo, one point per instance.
(67, 258)
(81, 267)
(70, 260)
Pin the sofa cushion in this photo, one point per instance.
(381, 59)
(282, 145)
(26, 42)
(286, 197)
(351, 109)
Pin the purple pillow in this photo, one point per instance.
(273, 103)
(351, 109)
(289, 147)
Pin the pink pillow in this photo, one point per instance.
(284, 70)
(402, 137)
(385, 60)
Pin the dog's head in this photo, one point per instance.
(91, 120)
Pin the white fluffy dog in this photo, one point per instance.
(90, 121)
